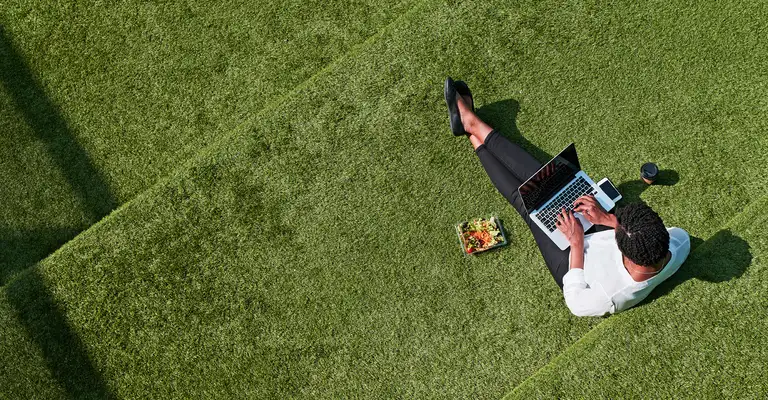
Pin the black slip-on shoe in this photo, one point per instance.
(453, 109)
(463, 90)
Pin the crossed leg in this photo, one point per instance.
(508, 166)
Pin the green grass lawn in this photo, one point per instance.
(96, 111)
(308, 250)
(712, 346)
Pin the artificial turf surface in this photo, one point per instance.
(98, 102)
(309, 252)
(712, 346)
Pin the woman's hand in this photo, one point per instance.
(570, 226)
(589, 207)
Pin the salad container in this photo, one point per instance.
(481, 234)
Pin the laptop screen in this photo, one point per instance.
(552, 177)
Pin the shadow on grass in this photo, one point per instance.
(631, 190)
(34, 306)
(64, 352)
(21, 249)
(721, 258)
(25, 247)
(45, 119)
(502, 116)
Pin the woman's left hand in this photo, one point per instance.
(571, 227)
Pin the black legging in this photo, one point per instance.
(508, 166)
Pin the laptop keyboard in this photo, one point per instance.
(576, 189)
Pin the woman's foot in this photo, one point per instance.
(466, 112)
(461, 110)
(452, 100)
(476, 143)
(473, 125)
(465, 93)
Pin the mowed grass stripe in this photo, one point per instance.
(314, 255)
(704, 339)
(94, 111)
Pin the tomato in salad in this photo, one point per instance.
(480, 234)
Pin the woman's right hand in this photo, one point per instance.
(589, 207)
(571, 227)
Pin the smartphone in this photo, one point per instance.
(607, 186)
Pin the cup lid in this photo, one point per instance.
(649, 170)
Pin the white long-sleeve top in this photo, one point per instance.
(604, 286)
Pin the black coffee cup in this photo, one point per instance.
(649, 172)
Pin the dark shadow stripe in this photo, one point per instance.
(31, 300)
(21, 249)
(64, 352)
(46, 121)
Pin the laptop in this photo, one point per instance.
(556, 186)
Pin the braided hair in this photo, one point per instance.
(641, 234)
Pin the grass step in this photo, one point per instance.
(95, 111)
(708, 324)
(312, 252)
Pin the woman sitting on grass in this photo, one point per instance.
(601, 273)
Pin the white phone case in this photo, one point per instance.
(614, 186)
